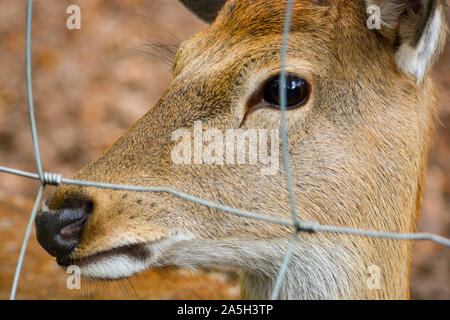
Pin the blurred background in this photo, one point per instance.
(90, 85)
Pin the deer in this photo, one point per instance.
(360, 114)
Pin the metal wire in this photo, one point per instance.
(25, 243)
(285, 145)
(298, 225)
(303, 226)
(284, 267)
(283, 103)
(30, 92)
(36, 152)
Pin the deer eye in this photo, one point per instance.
(297, 91)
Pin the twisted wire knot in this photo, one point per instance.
(303, 226)
(52, 179)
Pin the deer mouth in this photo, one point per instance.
(113, 264)
(136, 251)
(126, 260)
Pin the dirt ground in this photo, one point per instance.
(90, 85)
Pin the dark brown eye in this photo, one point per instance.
(297, 91)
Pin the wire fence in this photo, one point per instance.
(298, 225)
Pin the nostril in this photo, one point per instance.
(59, 231)
(73, 220)
(73, 230)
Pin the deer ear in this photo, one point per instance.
(418, 29)
(206, 10)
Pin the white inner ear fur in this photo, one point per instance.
(417, 60)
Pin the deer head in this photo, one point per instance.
(359, 119)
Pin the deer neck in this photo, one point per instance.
(316, 272)
(318, 269)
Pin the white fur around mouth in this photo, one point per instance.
(124, 261)
(114, 267)
(117, 263)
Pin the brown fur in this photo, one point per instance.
(358, 148)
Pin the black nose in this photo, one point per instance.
(59, 231)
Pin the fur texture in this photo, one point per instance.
(358, 150)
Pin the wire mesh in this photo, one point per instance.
(297, 225)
